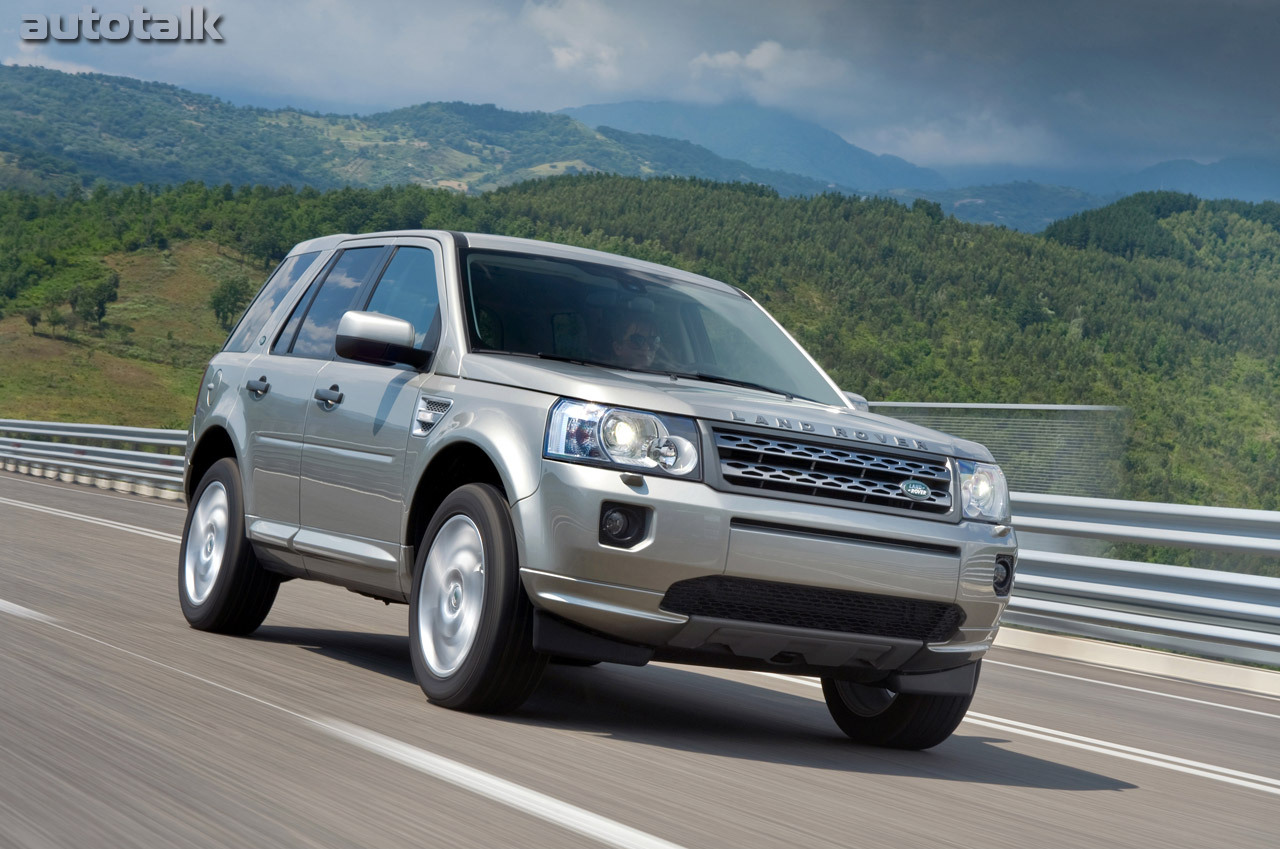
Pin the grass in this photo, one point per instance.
(143, 368)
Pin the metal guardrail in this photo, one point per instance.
(147, 461)
(1197, 611)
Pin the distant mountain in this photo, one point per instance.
(1250, 179)
(59, 131)
(1242, 179)
(1026, 206)
(766, 138)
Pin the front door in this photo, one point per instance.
(354, 483)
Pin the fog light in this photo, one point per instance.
(1003, 580)
(622, 525)
(615, 524)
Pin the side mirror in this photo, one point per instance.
(857, 401)
(380, 339)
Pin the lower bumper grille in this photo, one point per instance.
(797, 606)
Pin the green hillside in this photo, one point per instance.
(61, 132)
(897, 303)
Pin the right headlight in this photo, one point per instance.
(631, 440)
(984, 494)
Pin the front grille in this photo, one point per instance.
(847, 474)
(798, 606)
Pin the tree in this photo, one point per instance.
(93, 301)
(32, 316)
(229, 298)
(56, 319)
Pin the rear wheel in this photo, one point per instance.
(470, 622)
(880, 717)
(221, 586)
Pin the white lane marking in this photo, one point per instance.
(500, 790)
(137, 499)
(808, 682)
(120, 526)
(1115, 750)
(1154, 676)
(1120, 750)
(516, 796)
(1164, 762)
(1134, 689)
(25, 612)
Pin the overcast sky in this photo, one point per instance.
(1072, 83)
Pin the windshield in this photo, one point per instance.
(624, 318)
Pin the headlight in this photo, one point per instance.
(622, 438)
(984, 495)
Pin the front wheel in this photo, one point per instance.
(221, 586)
(880, 717)
(470, 622)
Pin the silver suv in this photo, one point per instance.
(556, 453)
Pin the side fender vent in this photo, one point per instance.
(431, 409)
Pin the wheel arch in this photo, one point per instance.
(215, 443)
(453, 466)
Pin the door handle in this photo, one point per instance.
(330, 397)
(258, 387)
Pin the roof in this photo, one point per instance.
(488, 241)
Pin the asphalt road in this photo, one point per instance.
(121, 726)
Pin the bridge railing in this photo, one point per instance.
(1198, 611)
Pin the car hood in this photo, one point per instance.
(714, 402)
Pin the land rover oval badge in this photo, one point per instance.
(915, 490)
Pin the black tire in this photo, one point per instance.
(879, 717)
(494, 669)
(238, 595)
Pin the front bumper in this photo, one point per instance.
(696, 531)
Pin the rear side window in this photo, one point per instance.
(407, 290)
(315, 319)
(273, 291)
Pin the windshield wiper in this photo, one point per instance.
(560, 358)
(733, 381)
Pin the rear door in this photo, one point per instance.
(278, 388)
(353, 487)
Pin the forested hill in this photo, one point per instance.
(1214, 233)
(898, 303)
(63, 132)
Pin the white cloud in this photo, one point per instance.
(588, 37)
(771, 73)
(33, 53)
(965, 140)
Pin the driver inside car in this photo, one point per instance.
(636, 342)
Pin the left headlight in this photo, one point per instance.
(984, 494)
(632, 440)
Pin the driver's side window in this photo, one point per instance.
(407, 290)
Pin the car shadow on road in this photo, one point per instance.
(686, 710)
(387, 654)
